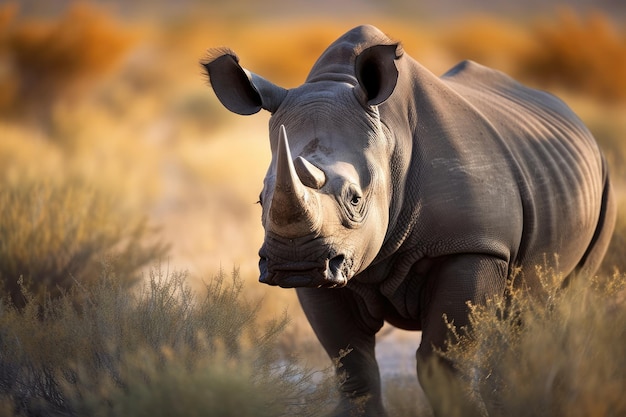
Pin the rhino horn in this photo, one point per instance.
(309, 174)
(294, 210)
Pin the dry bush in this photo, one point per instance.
(487, 40)
(587, 55)
(56, 231)
(42, 60)
(558, 355)
(162, 351)
(8, 85)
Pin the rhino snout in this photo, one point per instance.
(330, 272)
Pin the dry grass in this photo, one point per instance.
(404, 398)
(55, 233)
(126, 353)
(561, 355)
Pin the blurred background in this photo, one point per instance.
(112, 142)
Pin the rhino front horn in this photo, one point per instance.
(294, 210)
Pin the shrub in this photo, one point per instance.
(558, 355)
(161, 351)
(587, 55)
(53, 232)
(44, 60)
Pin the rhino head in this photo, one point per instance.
(326, 195)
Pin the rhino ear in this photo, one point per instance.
(376, 71)
(239, 90)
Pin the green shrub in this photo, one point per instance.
(161, 351)
(558, 355)
(53, 232)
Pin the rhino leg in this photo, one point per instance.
(457, 280)
(334, 316)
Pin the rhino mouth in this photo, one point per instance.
(331, 272)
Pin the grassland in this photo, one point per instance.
(113, 151)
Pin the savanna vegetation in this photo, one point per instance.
(559, 355)
(119, 170)
(160, 350)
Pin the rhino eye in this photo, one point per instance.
(353, 205)
(355, 195)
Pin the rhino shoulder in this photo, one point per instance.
(476, 83)
(466, 72)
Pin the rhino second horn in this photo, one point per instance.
(309, 174)
(294, 210)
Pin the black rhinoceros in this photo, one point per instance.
(395, 195)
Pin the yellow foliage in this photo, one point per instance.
(586, 54)
(583, 54)
(41, 59)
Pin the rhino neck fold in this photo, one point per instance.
(405, 113)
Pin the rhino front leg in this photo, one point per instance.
(334, 316)
(455, 281)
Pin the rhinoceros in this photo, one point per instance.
(397, 196)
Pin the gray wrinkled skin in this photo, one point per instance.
(395, 195)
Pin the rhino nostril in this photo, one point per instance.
(335, 264)
(334, 274)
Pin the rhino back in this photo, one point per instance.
(557, 166)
